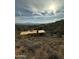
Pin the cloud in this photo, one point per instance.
(39, 19)
(38, 10)
(38, 6)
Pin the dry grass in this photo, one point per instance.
(40, 48)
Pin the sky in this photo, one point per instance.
(38, 11)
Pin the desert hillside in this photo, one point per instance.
(46, 45)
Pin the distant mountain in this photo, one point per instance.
(51, 28)
(56, 28)
(24, 24)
